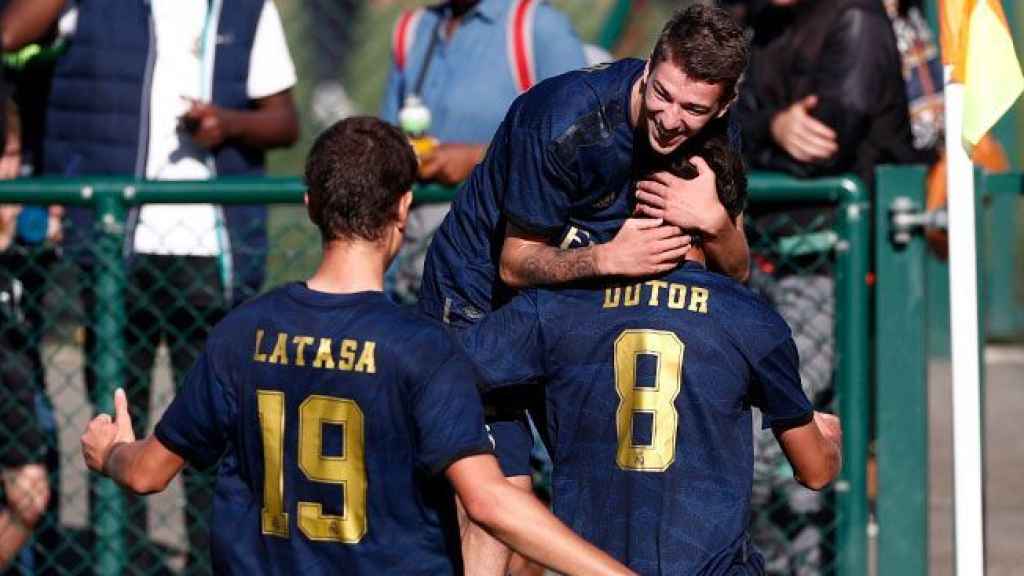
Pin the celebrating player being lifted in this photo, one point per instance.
(332, 410)
(561, 172)
(649, 386)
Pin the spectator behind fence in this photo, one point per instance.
(922, 73)
(824, 97)
(465, 61)
(177, 90)
(26, 490)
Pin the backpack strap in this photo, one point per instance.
(519, 39)
(404, 35)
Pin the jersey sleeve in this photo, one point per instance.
(271, 69)
(540, 185)
(197, 424)
(776, 387)
(507, 345)
(448, 415)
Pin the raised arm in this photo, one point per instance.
(814, 450)
(109, 447)
(640, 248)
(520, 520)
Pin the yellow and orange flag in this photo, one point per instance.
(977, 42)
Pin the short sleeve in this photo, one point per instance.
(197, 424)
(776, 388)
(507, 345)
(271, 69)
(448, 415)
(540, 188)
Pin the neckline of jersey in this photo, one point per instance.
(304, 294)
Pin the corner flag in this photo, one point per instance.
(977, 43)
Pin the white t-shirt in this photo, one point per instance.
(185, 33)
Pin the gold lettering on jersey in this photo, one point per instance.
(632, 297)
(699, 299)
(300, 348)
(324, 358)
(258, 356)
(351, 355)
(611, 300)
(348, 354)
(677, 296)
(280, 353)
(367, 363)
(656, 286)
(652, 293)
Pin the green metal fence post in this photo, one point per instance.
(108, 319)
(1003, 315)
(901, 372)
(853, 375)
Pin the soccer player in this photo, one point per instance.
(331, 409)
(549, 202)
(649, 385)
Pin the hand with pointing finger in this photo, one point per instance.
(803, 136)
(103, 433)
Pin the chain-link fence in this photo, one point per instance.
(89, 319)
(78, 319)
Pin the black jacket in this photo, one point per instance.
(843, 51)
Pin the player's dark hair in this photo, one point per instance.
(712, 144)
(356, 172)
(707, 43)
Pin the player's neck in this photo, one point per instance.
(695, 255)
(635, 102)
(349, 267)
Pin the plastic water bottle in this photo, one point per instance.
(414, 119)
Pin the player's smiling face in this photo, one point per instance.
(676, 107)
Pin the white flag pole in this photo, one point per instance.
(963, 309)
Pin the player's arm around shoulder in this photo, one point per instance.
(109, 447)
(814, 450)
(642, 247)
(517, 518)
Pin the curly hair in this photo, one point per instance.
(707, 43)
(712, 144)
(356, 172)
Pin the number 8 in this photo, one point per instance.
(658, 401)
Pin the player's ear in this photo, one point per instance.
(403, 208)
(725, 108)
(732, 100)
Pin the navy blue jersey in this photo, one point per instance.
(333, 414)
(561, 165)
(648, 391)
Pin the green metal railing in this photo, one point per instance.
(853, 228)
(901, 381)
(849, 254)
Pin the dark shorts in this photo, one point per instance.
(504, 413)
